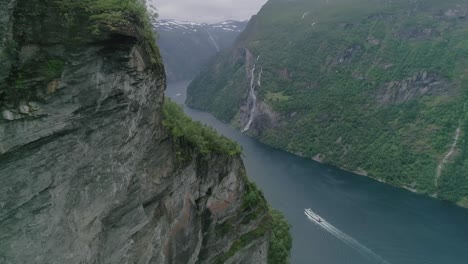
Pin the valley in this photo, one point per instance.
(317, 132)
(375, 87)
(186, 47)
(367, 220)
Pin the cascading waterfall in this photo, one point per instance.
(252, 102)
(259, 82)
(448, 155)
(214, 42)
(451, 152)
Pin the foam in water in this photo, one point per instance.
(363, 250)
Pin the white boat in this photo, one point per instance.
(311, 215)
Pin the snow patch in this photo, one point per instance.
(171, 24)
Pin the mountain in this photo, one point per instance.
(187, 46)
(96, 166)
(377, 87)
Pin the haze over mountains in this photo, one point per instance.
(207, 11)
(187, 46)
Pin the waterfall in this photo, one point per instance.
(452, 149)
(259, 82)
(448, 155)
(214, 42)
(252, 102)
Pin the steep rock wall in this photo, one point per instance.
(89, 174)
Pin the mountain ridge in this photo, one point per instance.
(187, 47)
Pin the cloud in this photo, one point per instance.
(207, 10)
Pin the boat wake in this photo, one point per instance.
(360, 248)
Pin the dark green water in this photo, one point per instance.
(384, 222)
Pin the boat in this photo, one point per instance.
(313, 216)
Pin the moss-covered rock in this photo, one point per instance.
(34, 54)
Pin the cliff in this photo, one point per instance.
(377, 87)
(90, 170)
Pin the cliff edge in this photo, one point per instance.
(90, 172)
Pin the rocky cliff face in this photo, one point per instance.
(89, 173)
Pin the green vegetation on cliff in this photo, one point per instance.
(373, 86)
(281, 240)
(33, 55)
(204, 139)
(272, 224)
(102, 17)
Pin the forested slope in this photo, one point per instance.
(373, 86)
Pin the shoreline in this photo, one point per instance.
(463, 203)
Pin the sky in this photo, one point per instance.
(207, 10)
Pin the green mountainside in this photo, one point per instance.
(372, 86)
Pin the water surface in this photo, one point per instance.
(398, 226)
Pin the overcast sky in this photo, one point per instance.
(207, 10)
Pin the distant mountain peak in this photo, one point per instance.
(187, 46)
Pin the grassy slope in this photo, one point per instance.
(336, 113)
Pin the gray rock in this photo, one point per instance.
(96, 178)
(422, 84)
(23, 108)
(8, 115)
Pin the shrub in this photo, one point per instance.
(205, 139)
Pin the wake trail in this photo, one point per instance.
(351, 242)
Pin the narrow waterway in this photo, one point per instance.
(366, 221)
